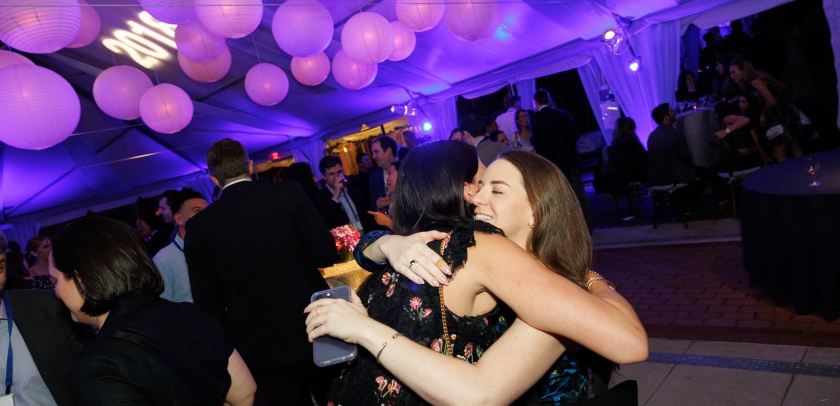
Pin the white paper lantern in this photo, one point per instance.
(367, 38)
(40, 109)
(230, 18)
(302, 27)
(472, 20)
(266, 84)
(166, 108)
(118, 89)
(404, 41)
(311, 71)
(207, 71)
(351, 74)
(37, 27)
(170, 11)
(9, 58)
(197, 43)
(420, 15)
(90, 26)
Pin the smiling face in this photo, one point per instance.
(503, 201)
(165, 210)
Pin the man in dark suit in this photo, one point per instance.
(44, 341)
(554, 134)
(361, 180)
(253, 259)
(384, 151)
(340, 204)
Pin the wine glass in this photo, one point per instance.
(812, 166)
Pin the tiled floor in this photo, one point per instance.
(702, 292)
(686, 383)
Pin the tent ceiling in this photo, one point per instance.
(136, 156)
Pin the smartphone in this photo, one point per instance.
(327, 350)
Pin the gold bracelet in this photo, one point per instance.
(597, 277)
(385, 344)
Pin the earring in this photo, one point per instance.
(531, 223)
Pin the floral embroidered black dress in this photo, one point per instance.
(414, 311)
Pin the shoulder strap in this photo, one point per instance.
(142, 342)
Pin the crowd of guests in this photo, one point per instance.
(212, 311)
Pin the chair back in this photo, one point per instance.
(660, 172)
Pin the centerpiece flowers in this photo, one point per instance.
(346, 239)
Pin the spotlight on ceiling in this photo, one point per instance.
(635, 64)
(403, 110)
(616, 41)
(609, 34)
(427, 126)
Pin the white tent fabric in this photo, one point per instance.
(708, 13)
(525, 89)
(654, 83)
(593, 80)
(443, 115)
(690, 53)
(832, 14)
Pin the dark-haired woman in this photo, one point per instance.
(500, 137)
(148, 350)
(39, 247)
(688, 89)
(456, 134)
(777, 107)
(436, 183)
(382, 218)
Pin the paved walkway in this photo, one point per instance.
(688, 373)
(702, 292)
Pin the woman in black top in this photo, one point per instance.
(148, 350)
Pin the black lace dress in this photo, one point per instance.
(414, 311)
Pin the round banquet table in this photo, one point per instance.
(791, 233)
(698, 126)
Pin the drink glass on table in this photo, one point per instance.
(812, 166)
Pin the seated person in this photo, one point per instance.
(688, 89)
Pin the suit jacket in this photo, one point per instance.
(51, 336)
(361, 181)
(666, 137)
(554, 134)
(489, 150)
(333, 214)
(377, 187)
(253, 258)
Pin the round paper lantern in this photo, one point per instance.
(302, 27)
(311, 71)
(350, 74)
(118, 89)
(40, 109)
(472, 20)
(420, 15)
(207, 71)
(166, 108)
(266, 84)
(9, 58)
(404, 41)
(367, 38)
(230, 18)
(198, 43)
(90, 26)
(170, 11)
(39, 28)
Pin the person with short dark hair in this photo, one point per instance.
(106, 279)
(170, 260)
(473, 127)
(165, 210)
(253, 259)
(738, 41)
(490, 124)
(301, 173)
(361, 180)
(507, 120)
(148, 226)
(554, 134)
(338, 203)
(384, 151)
(43, 341)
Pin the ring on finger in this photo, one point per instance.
(410, 264)
(318, 311)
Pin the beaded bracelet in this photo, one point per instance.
(597, 277)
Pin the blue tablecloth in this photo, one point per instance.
(791, 233)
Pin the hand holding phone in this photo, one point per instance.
(327, 350)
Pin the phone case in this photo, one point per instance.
(327, 350)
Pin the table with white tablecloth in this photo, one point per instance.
(699, 126)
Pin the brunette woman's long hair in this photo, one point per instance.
(560, 238)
